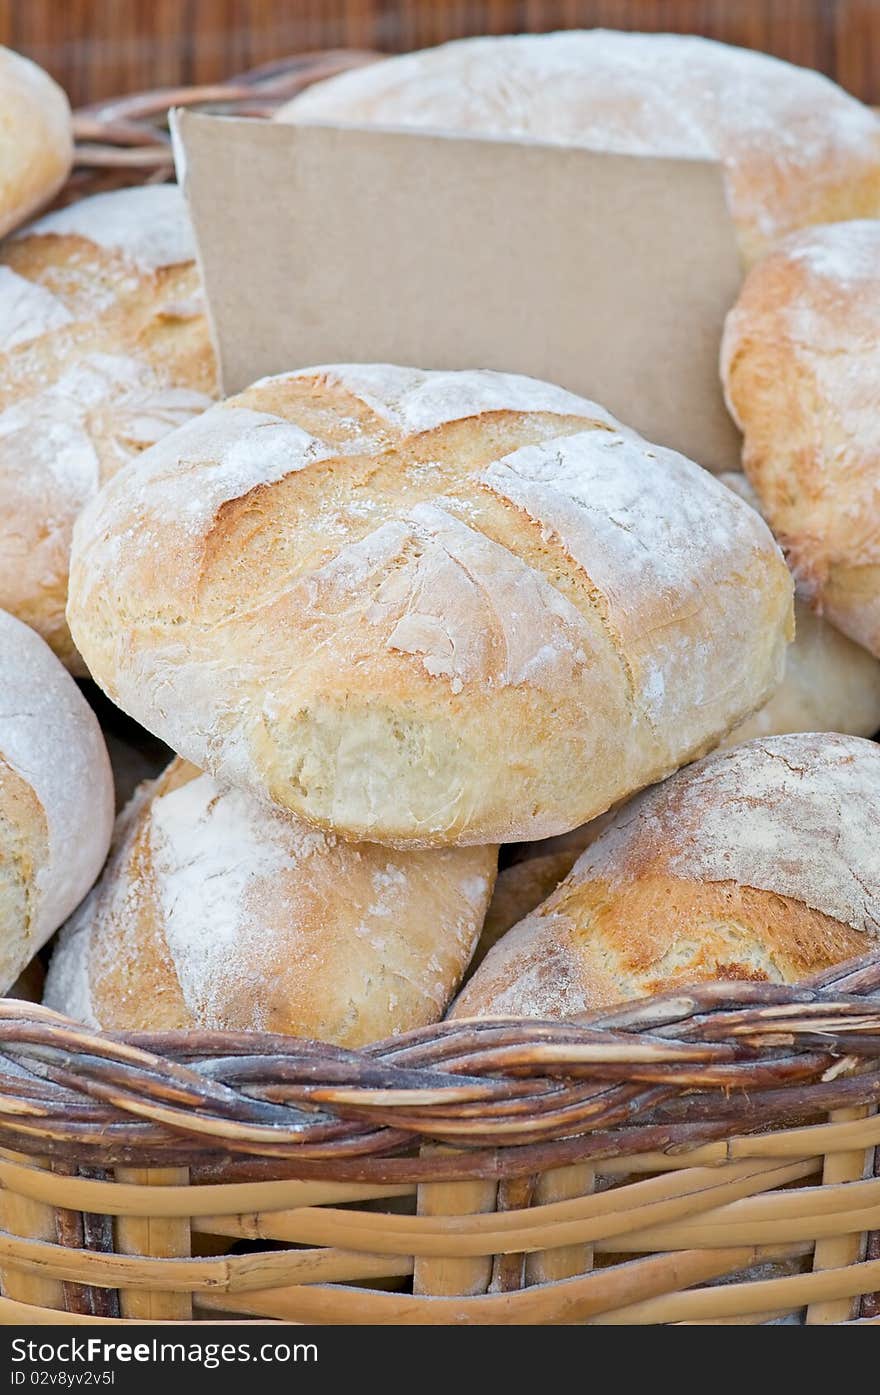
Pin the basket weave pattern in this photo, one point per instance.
(702, 1157)
(602, 1169)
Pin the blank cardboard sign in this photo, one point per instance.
(607, 274)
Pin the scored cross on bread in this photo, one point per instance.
(424, 607)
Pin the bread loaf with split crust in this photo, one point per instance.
(758, 863)
(800, 361)
(36, 139)
(216, 911)
(427, 608)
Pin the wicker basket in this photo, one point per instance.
(704, 1157)
(126, 141)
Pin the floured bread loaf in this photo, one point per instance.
(801, 368)
(756, 863)
(36, 144)
(426, 608)
(56, 796)
(830, 683)
(104, 348)
(795, 148)
(217, 911)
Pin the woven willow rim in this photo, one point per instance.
(663, 1073)
(126, 140)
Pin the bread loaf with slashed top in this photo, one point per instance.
(758, 863)
(800, 362)
(424, 608)
(36, 139)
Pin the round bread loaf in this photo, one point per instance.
(36, 144)
(800, 362)
(757, 863)
(795, 148)
(217, 911)
(427, 608)
(830, 682)
(56, 796)
(104, 347)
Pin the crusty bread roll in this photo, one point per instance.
(56, 796)
(757, 863)
(830, 682)
(217, 911)
(36, 144)
(801, 364)
(426, 608)
(104, 347)
(795, 148)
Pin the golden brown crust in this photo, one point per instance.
(595, 945)
(218, 912)
(536, 869)
(132, 978)
(423, 608)
(103, 349)
(519, 889)
(757, 863)
(800, 364)
(36, 145)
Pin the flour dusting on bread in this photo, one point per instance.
(795, 815)
(148, 224)
(469, 608)
(351, 599)
(795, 148)
(216, 910)
(845, 254)
(51, 738)
(27, 310)
(413, 400)
(800, 361)
(215, 855)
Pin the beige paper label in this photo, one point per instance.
(607, 274)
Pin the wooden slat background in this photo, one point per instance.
(98, 48)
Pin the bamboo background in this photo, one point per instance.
(100, 48)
